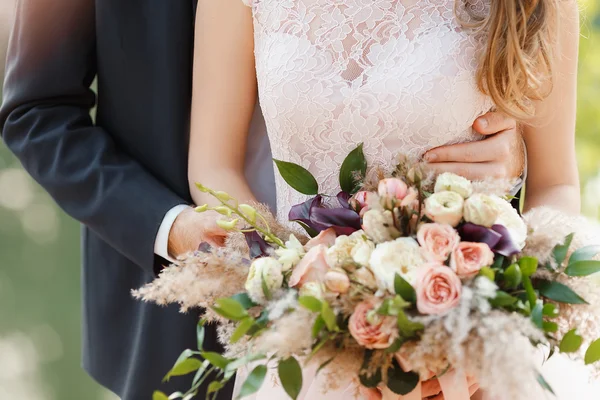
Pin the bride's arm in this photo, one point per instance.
(550, 138)
(223, 98)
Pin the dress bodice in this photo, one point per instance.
(396, 75)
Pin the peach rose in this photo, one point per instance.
(468, 258)
(439, 240)
(438, 289)
(312, 267)
(392, 191)
(326, 237)
(337, 281)
(371, 330)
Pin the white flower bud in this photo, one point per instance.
(453, 183)
(266, 268)
(480, 209)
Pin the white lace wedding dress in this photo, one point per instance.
(396, 75)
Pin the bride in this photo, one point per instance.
(401, 76)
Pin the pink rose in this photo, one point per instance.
(326, 237)
(411, 199)
(392, 191)
(311, 268)
(370, 329)
(438, 289)
(468, 258)
(337, 281)
(360, 201)
(439, 240)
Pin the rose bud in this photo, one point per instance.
(337, 281)
(391, 191)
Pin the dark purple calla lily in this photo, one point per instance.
(344, 200)
(497, 238)
(257, 245)
(314, 214)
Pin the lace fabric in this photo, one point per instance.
(396, 75)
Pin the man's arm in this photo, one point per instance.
(45, 121)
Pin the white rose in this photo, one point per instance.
(379, 225)
(291, 254)
(345, 248)
(445, 208)
(402, 256)
(266, 267)
(481, 209)
(365, 277)
(453, 183)
(314, 289)
(361, 252)
(511, 220)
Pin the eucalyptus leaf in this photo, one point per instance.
(560, 251)
(528, 265)
(404, 289)
(355, 164)
(298, 177)
(399, 381)
(571, 342)
(584, 254)
(558, 292)
(290, 375)
(215, 359)
(592, 354)
(310, 303)
(254, 381)
(158, 395)
(242, 328)
(329, 317)
(583, 268)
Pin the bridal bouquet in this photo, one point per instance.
(395, 281)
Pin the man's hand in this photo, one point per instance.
(500, 155)
(192, 228)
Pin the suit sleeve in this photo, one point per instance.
(45, 122)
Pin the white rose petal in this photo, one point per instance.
(291, 254)
(314, 289)
(481, 209)
(266, 267)
(402, 256)
(512, 221)
(361, 252)
(445, 208)
(379, 225)
(453, 183)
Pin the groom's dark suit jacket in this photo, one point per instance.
(118, 176)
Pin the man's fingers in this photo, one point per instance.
(472, 171)
(493, 122)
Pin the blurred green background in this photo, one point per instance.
(39, 252)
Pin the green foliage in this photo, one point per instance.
(354, 165)
(298, 177)
(254, 381)
(558, 292)
(290, 375)
(404, 289)
(571, 342)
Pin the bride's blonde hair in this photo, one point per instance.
(516, 68)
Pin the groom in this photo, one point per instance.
(124, 176)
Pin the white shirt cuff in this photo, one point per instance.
(161, 244)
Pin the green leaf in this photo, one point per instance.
(200, 334)
(325, 364)
(158, 395)
(408, 328)
(310, 231)
(369, 381)
(215, 359)
(240, 362)
(354, 164)
(182, 357)
(536, 315)
(550, 327)
(513, 276)
(176, 395)
(550, 310)
(297, 177)
(242, 328)
(488, 273)
(404, 289)
(583, 268)
(290, 375)
(571, 342)
(560, 251)
(184, 367)
(559, 292)
(200, 372)
(545, 385)
(230, 309)
(310, 303)
(215, 386)
(318, 326)
(503, 299)
(592, 354)
(584, 254)
(498, 263)
(329, 317)
(528, 265)
(394, 347)
(401, 382)
(265, 287)
(254, 381)
(244, 300)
